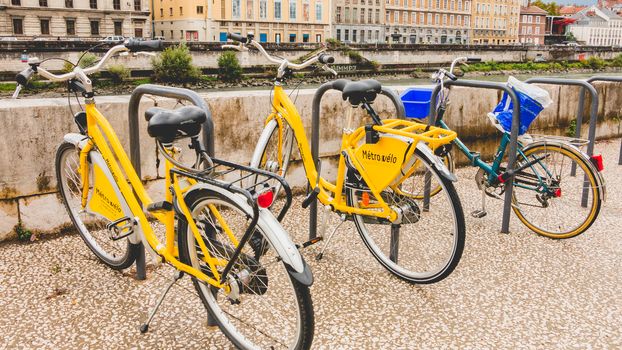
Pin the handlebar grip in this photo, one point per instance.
(25, 75)
(451, 76)
(143, 45)
(237, 37)
(473, 59)
(326, 58)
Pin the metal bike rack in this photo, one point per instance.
(170, 92)
(585, 85)
(608, 79)
(315, 136)
(509, 185)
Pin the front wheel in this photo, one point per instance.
(273, 310)
(116, 253)
(427, 245)
(549, 198)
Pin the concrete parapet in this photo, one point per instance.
(33, 128)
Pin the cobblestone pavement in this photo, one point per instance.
(509, 291)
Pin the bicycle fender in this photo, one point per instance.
(274, 233)
(76, 139)
(263, 139)
(436, 162)
(600, 180)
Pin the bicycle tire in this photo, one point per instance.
(264, 155)
(229, 316)
(521, 206)
(119, 255)
(376, 241)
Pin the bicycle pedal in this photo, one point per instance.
(478, 214)
(160, 207)
(121, 228)
(309, 242)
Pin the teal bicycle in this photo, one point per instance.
(558, 189)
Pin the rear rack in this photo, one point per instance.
(431, 135)
(241, 179)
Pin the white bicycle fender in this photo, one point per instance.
(437, 162)
(263, 138)
(75, 139)
(275, 234)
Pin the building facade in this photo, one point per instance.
(428, 21)
(495, 22)
(532, 25)
(67, 19)
(270, 20)
(597, 26)
(358, 21)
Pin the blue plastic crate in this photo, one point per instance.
(416, 102)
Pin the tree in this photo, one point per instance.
(551, 8)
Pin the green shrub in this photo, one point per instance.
(617, 61)
(594, 62)
(355, 56)
(229, 67)
(174, 65)
(86, 60)
(118, 73)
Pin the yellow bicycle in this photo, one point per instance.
(379, 181)
(247, 271)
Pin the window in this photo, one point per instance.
(277, 36)
(421, 18)
(305, 14)
(292, 37)
(292, 13)
(263, 9)
(16, 2)
(137, 5)
(235, 8)
(93, 4)
(43, 3)
(250, 9)
(346, 35)
(537, 30)
(437, 19)
(94, 27)
(353, 35)
(339, 34)
(18, 26)
(362, 15)
(162, 13)
(318, 38)
(338, 15)
(69, 4)
(199, 10)
(170, 11)
(277, 12)
(318, 13)
(45, 26)
(405, 17)
(116, 4)
(118, 28)
(354, 18)
(369, 16)
(71, 26)
(538, 19)
(181, 11)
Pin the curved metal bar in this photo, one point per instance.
(608, 79)
(134, 104)
(315, 136)
(509, 185)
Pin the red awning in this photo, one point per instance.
(564, 21)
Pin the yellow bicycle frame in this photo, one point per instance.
(103, 138)
(332, 194)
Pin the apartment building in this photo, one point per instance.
(532, 25)
(67, 19)
(270, 20)
(495, 22)
(358, 21)
(597, 26)
(428, 21)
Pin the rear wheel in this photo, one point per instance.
(118, 254)
(273, 310)
(548, 198)
(428, 244)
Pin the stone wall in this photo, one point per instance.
(33, 128)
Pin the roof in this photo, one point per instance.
(533, 10)
(570, 9)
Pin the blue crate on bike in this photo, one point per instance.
(532, 101)
(416, 101)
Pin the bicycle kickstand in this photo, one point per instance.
(176, 277)
(480, 213)
(321, 254)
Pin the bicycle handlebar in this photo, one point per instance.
(282, 62)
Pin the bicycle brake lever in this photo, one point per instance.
(240, 47)
(18, 88)
(329, 70)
